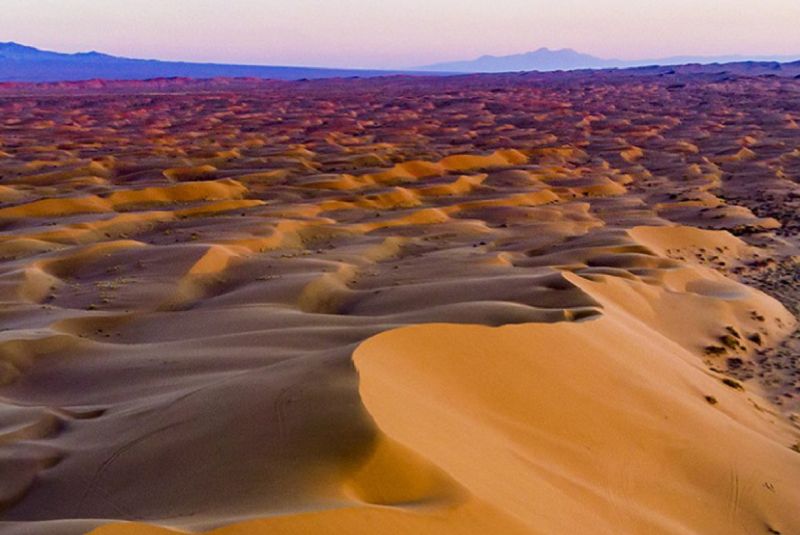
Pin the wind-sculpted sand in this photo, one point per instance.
(509, 304)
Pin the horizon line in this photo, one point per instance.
(780, 58)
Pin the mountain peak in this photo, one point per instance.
(11, 46)
(15, 51)
(547, 50)
(93, 54)
(541, 59)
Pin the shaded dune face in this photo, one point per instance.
(490, 304)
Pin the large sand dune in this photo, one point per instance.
(496, 304)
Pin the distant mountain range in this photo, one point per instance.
(20, 63)
(567, 59)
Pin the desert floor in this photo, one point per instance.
(511, 304)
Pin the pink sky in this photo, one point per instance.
(393, 34)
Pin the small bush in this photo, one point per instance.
(733, 332)
(730, 341)
(733, 383)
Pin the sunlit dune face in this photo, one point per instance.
(487, 304)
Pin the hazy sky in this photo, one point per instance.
(390, 33)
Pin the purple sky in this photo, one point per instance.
(393, 34)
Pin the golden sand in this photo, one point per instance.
(462, 306)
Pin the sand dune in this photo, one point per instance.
(499, 304)
(627, 444)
